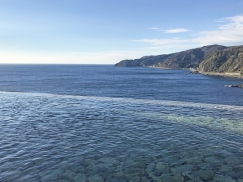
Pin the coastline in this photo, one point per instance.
(227, 74)
(157, 67)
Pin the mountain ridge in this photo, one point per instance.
(210, 59)
(229, 60)
(185, 59)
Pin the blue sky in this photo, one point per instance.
(107, 31)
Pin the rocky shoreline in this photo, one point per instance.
(238, 86)
(208, 60)
(196, 71)
(233, 75)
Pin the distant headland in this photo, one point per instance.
(210, 60)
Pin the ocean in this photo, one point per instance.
(101, 123)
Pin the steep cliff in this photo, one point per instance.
(185, 59)
(229, 60)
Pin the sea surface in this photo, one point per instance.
(100, 123)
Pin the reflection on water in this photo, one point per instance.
(46, 137)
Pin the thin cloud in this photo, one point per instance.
(229, 32)
(177, 30)
(155, 28)
(157, 42)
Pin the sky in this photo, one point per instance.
(108, 31)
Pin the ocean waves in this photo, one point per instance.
(131, 100)
(222, 117)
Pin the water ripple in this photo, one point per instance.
(46, 137)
